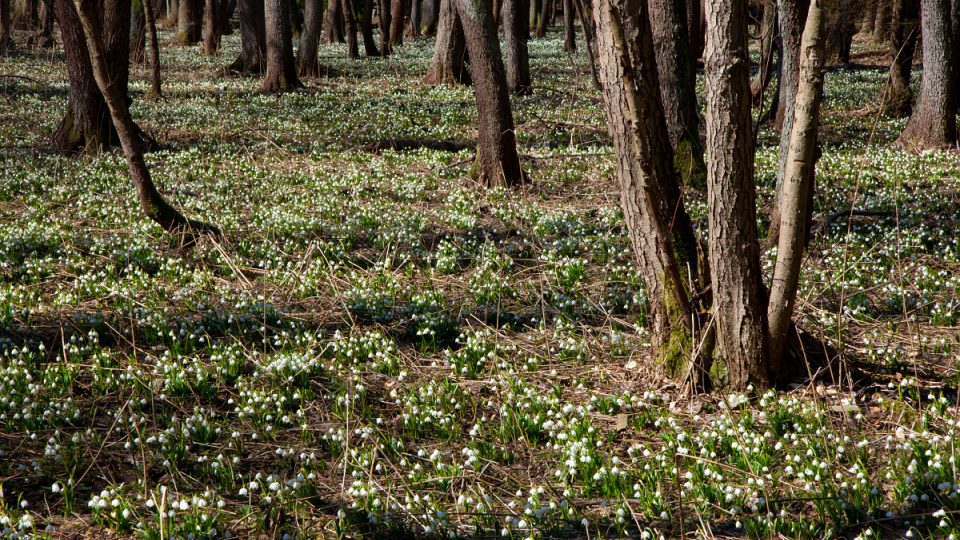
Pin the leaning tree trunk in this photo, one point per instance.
(515, 30)
(189, 22)
(113, 89)
(384, 13)
(933, 123)
(366, 28)
(211, 24)
(569, 31)
(281, 73)
(350, 27)
(449, 54)
(734, 255)
(797, 188)
(498, 162)
(896, 97)
(307, 64)
(678, 87)
(151, 17)
(252, 37)
(396, 22)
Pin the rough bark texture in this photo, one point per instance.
(449, 55)
(189, 22)
(498, 162)
(281, 73)
(151, 17)
(896, 97)
(678, 87)
(307, 65)
(384, 12)
(734, 255)
(933, 123)
(797, 187)
(114, 91)
(252, 37)
(515, 30)
(569, 30)
(211, 23)
(657, 223)
(396, 22)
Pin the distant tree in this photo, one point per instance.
(212, 31)
(384, 12)
(350, 27)
(515, 32)
(332, 22)
(151, 18)
(189, 21)
(569, 30)
(138, 32)
(498, 162)
(397, 15)
(896, 97)
(769, 43)
(416, 18)
(307, 64)
(546, 6)
(281, 72)
(253, 41)
(933, 123)
(366, 29)
(450, 50)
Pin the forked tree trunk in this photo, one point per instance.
(498, 162)
(734, 255)
(396, 22)
(211, 23)
(896, 97)
(189, 22)
(515, 32)
(366, 28)
(115, 95)
(350, 27)
(678, 88)
(307, 65)
(385, 48)
(450, 51)
(151, 17)
(252, 38)
(797, 187)
(933, 123)
(281, 73)
(569, 31)
(657, 223)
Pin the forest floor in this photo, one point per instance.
(381, 347)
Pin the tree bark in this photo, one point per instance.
(151, 17)
(545, 8)
(881, 21)
(385, 48)
(515, 32)
(252, 37)
(281, 73)
(586, 23)
(189, 22)
(768, 37)
(211, 20)
(173, 13)
(138, 32)
(396, 22)
(797, 187)
(933, 123)
(734, 254)
(450, 51)
(498, 162)
(569, 31)
(307, 64)
(366, 28)
(416, 7)
(331, 22)
(350, 27)
(896, 97)
(113, 90)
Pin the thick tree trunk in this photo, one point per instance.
(385, 48)
(415, 16)
(450, 51)
(332, 31)
(515, 32)
(396, 22)
(113, 90)
(498, 162)
(678, 87)
(734, 255)
(350, 27)
(896, 97)
(151, 15)
(281, 73)
(933, 123)
(545, 8)
(253, 44)
(569, 31)
(797, 188)
(307, 64)
(211, 22)
(366, 28)
(138, 32)
(189, 22)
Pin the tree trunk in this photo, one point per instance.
(138, 32)
(366, 28)
(189, 22)
(678, 88)
(281, 73)
(933, 123)
(768, 37)
(797, 188)
(450, 51)
(307, 64)
(586, 23)
(252, 37)
(350, 27)
(151, 17)
(396, 22)
(569, 32)
(545, 8)
(173, 13)
(881, 22)
(331, 22)
(498, 162)
(415, 15)
(113, 90)
(45, 36)
(385, 48)
(847, 29)
(896, 97)
(211, 20)
(6, 35)
(734, 255)
(515, 30)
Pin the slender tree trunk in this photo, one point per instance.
(450, 51)
(366, 28)
(545, 8)
(307, 64)
(734, 255)
(515, 30)
(569, 31)
(281, 73)
(385, 48)
(847, 29)
(211, 19)
(350, 27)
(151, 17)
(498, 162)
(396, 22)
(331, 22)
(797, 187)
(253, 44)
(586, 23)
(415, 15)
(768, 36)
(173, 13)
(896, 97)
(115, 95)
(933, 123)
(138, 32)
(189, 22)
